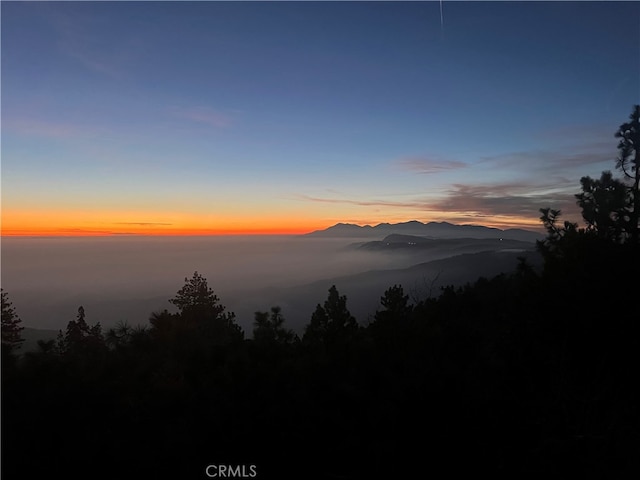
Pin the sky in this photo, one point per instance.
(287, 117)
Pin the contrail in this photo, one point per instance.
(441, 20)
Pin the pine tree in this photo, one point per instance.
(332, 322)
(79, 337)
(11, 328)
(196, 299)
(269, 328)
(629, 162)
(200, 312)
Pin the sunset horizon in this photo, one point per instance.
(117, 229)
(199, 118)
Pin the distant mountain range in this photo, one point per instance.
(431, 229)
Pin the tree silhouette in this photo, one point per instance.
(11, 328)
(391, 323)
(555, 243)
(196, 298)
(118, 335)
(628, 161)
(332, 322)
(80, 338)
(605, 205)
(123, 334)
(200, 314)
(396, 305)
(269, 328)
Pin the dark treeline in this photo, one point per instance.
(532, 372)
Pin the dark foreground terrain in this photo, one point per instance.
(529, 373)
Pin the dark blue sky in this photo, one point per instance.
(240, 115)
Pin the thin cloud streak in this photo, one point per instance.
(205, 115)
(92, 62)
(425, 165)
(362, 203)
(551, 161)
(44, 129)
(76, 39)
(504, 199)
(83, 231)
(143, 224)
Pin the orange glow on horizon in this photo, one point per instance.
(89, 233)
(65, 224)
(59, 224)
(149, 231)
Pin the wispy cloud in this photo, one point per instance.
(93, 61)
(426, 165)
(143, 224)
(362, 203)
(83, 231)
(579, 134)
(47, 129)
(76, 39)
(548, 161)
(518, 199)
(205, 115)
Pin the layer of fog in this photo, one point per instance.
(127, 278)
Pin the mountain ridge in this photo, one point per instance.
(429, 229)
(422, 280)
